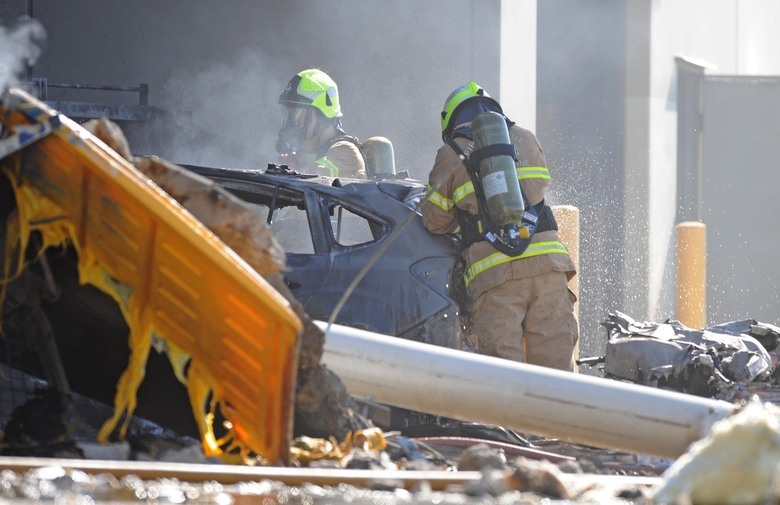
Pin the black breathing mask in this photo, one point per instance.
(293, 132)
(289, 139)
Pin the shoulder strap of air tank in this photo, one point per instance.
(490, 232)
(494, 150)
(460, 152)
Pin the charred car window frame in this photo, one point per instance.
(377, 227)
(274, 198)
(406, 292)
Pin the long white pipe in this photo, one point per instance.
(526, 398)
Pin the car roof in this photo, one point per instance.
(400, 188)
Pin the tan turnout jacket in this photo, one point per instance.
(451, 188)
(343, 159)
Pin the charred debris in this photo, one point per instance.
(47, 415)
(730, 361)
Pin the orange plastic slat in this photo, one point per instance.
(190, 287)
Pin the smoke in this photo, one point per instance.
(223, 112)
(580, 125)
(20, 45)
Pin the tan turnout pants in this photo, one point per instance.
(528, 320)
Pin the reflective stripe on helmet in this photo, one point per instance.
(498, 258)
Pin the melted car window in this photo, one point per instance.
(291, 229)
(288, 221)
(350, 228)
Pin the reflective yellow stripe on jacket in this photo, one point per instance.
(440, 200)
(466, 189)
(498, 258)
(333, 170)
(533, 173)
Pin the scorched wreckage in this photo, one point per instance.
(173, 264)
(164, 289)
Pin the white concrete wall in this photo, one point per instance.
(221, 66)
(758, 37)
(737, 37)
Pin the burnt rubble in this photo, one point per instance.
(724, 361)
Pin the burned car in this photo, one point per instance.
(331, 229)
(107, 274)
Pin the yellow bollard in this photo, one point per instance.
(691, 274)
(568, 218)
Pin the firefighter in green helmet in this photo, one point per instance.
(522, 309)
(312, 139)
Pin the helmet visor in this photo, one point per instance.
(293, 116)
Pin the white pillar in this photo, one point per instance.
(517, 80)
(637, 153)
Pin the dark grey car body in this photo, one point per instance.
(331, 228)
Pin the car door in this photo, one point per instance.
(301, 234)
(355, 235)
(405, 290)
(286, 211)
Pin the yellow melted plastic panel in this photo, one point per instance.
(171, 277)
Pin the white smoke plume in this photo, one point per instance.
(227, 112)
(20, 45)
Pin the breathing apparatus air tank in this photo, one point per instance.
(497, 172)
(380, 160)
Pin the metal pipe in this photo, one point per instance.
(97, 87)
(237, 474)
(526, 398)
(43, 84)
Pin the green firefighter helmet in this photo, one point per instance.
(314, 88)
(456, 100)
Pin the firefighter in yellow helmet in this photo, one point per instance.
(522, 307)
(311, 139)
